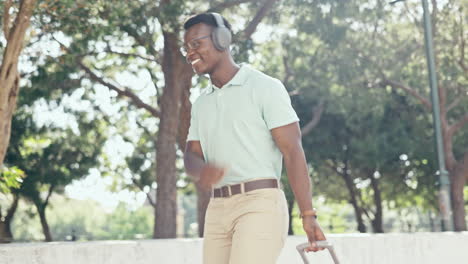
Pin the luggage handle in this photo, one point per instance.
(322, 243)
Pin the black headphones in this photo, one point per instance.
(221, 35)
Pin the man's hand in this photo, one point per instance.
(202, 173)
(314, 232)
(210, 175)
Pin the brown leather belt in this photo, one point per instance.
(229, 190)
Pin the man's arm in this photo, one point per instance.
(193, 159)
(202, 173)
(288, 140)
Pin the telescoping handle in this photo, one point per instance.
(324, 244)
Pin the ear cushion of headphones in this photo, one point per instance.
(221, 37)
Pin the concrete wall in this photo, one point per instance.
(417, 248)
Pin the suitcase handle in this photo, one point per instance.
(324, 244)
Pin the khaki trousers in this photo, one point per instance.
(247, 228)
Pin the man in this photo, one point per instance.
(241, 129)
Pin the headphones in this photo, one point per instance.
(221, 36)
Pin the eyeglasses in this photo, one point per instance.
(192, 45)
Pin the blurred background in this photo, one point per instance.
(103, 110)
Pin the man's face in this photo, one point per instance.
(205, 56)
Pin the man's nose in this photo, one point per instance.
(190, 51)
(189, 55)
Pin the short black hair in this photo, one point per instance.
(206, 18)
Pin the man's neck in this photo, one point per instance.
(224, 73)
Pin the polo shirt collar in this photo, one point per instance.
(239, 79)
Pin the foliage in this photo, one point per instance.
(88, 220)
(340, 53)
(85, 220)
(10, 178)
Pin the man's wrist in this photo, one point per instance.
(202, 170)
(312, 212)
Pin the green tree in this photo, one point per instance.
(127, 224)
(400, 34)
(11, 178)
(336, 54)
(382, 50)
(83, 220)
(51, 157)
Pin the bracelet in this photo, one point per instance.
(312, 212)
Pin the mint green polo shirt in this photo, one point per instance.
(233, 125)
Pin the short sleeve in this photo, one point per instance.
(193, 130)
(277, 108)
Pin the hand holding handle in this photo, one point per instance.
(323, 244)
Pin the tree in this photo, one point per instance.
(53, 161)
(409, 74)
(337, 68)
(11, 178)
(83, 220)
(381, 47)
(50, 156)
(9, 77)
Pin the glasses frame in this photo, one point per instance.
(193, 44)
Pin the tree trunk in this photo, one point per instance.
(9, 77)
(44, 224)
(377, 222)
(458, 180)
(6, 236)
(353, 194)
(354, 201)
(458, 171)
(177, 76)
(431, 221)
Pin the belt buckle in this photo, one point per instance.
(226, 191)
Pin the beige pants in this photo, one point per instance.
(246, 228)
